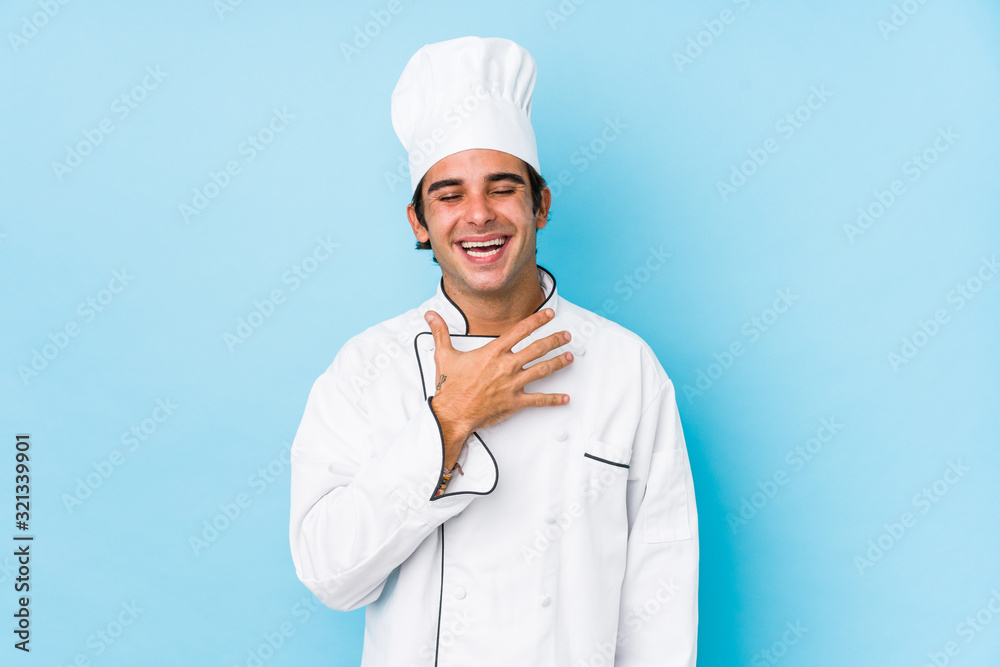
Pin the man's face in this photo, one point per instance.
(478, 196)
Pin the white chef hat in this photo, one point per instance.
(470, 92)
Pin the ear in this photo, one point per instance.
(418, 230)
(542, 217)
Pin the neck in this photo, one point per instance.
(491, 314)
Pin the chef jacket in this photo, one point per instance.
(570, 538)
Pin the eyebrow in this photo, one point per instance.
(505, 176)
(492, 178)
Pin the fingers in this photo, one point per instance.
(544, 400)
(521, 330)
(442, 339)
(541, 347)
(546, 368)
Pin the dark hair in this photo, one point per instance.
(535, 182)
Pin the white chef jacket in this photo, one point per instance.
(570, 539)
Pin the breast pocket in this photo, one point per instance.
(604, 470)
(609, 454)
(600, 474)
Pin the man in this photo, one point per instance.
(498, 474)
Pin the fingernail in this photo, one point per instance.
(549, 312)
(566, 335)
(429, 317)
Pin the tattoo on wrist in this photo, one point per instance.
(440, 382)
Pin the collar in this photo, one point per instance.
(458, 323)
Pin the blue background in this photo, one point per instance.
(684, 125)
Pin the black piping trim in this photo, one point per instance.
(416, 352)
(437, 640)
(466, 319)
(549, 295)
(456, 307)
(496, 468)
(598, 458)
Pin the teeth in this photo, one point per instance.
(482, 244)
(489, 253)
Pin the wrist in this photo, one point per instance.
(454, 431)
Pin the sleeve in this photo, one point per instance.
(658, 614)
(355, 515)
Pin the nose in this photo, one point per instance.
(479, 210)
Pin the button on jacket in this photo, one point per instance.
(570, 539)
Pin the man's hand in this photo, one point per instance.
(486, 385)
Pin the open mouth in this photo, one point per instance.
(484, 249)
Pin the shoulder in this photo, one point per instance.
(390, 338)
(600, 331)
(618, 346)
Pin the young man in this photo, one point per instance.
(498, 474)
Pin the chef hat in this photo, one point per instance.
(470, 92)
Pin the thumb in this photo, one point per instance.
(442, 340)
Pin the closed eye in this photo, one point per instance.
(508, 191)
